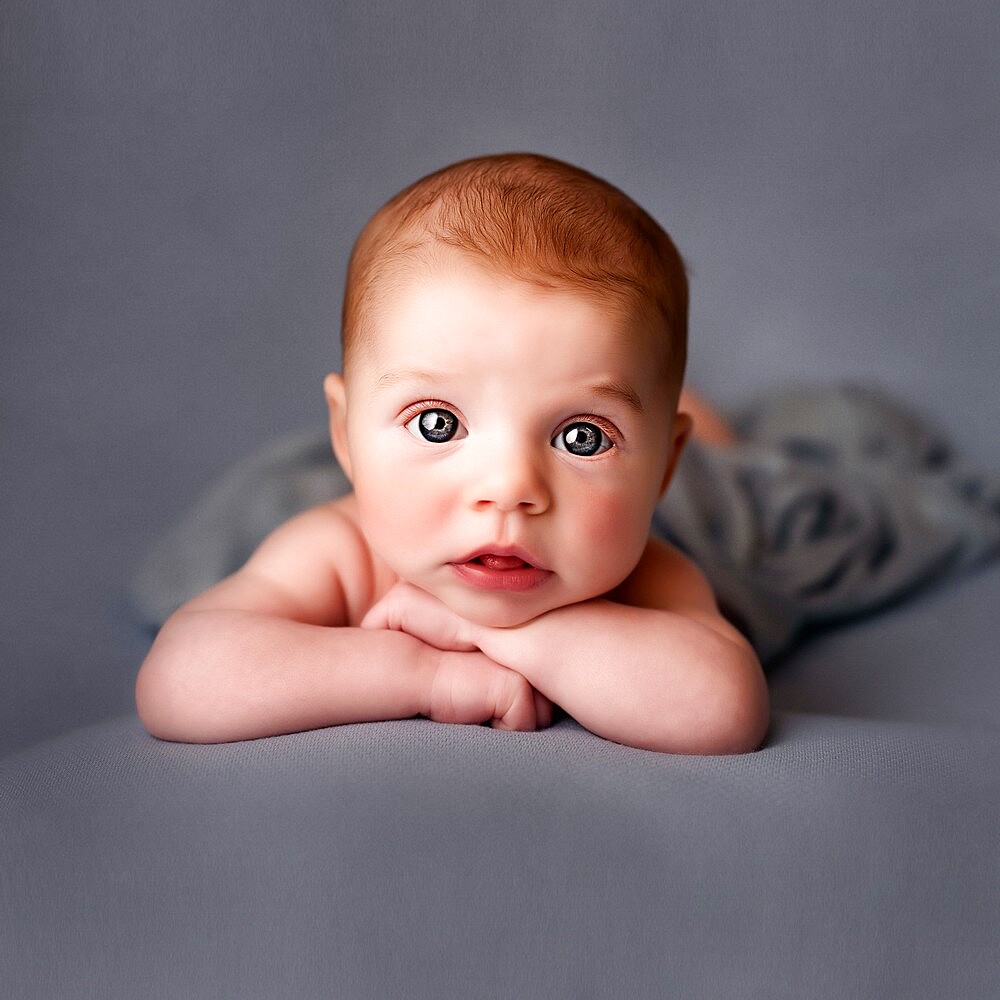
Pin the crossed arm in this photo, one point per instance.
(682, 681)
(655, 666)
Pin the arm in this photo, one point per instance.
(657, 667)
(642, 676)
(268, 651)
(218, 675)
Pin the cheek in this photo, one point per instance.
(617, 528)
(399, 510)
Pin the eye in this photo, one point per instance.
(582, 438)
(437, 426)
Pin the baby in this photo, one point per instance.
(514, 342)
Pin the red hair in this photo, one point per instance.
(532, 218)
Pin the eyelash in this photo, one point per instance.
(591, 418)
(415, 409)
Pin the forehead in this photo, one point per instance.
(447, 306)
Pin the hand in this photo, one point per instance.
(466, 685)
(406, 608)
(470, 688)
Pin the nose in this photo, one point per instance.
(511, 478)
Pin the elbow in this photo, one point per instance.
(737, 719)
(165, 698)
(159, 703)
(165, 713)
(742, 731)
(728, 714)
(152, 703)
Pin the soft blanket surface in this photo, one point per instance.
(837, 501)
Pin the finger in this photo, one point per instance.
(388, 611)
(376, 618)
(543, 711)
(515, 709)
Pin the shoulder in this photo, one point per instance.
(665, 576)
(317, 568)
(667, 580)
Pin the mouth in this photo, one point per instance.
(509, 569)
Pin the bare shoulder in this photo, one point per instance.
(668, 580)
(315, 568)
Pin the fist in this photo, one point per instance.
(466, 686)
(470, 688)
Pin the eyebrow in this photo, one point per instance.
(407, 375)
(616, 389)
(613, 388)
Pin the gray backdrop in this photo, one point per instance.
(181, 184)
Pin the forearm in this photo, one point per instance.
(215, 676)
(642, 677)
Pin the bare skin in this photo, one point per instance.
(710, 426)
(451, 584)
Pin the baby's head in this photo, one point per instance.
(532, 218)
(514, 342)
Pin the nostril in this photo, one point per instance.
(533, 506)
(514, 484)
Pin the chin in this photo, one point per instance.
(498, 616)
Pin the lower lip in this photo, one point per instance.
(518, 580)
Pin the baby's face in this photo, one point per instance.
(507, 443)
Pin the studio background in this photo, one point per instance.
(182, 182)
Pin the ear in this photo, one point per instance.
(680, 433)
(336, 402)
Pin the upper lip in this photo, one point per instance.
(502, 550)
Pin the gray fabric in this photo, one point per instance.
(849, 859)
(836, 502)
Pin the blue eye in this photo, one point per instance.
(436, 425)
(583, 439)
